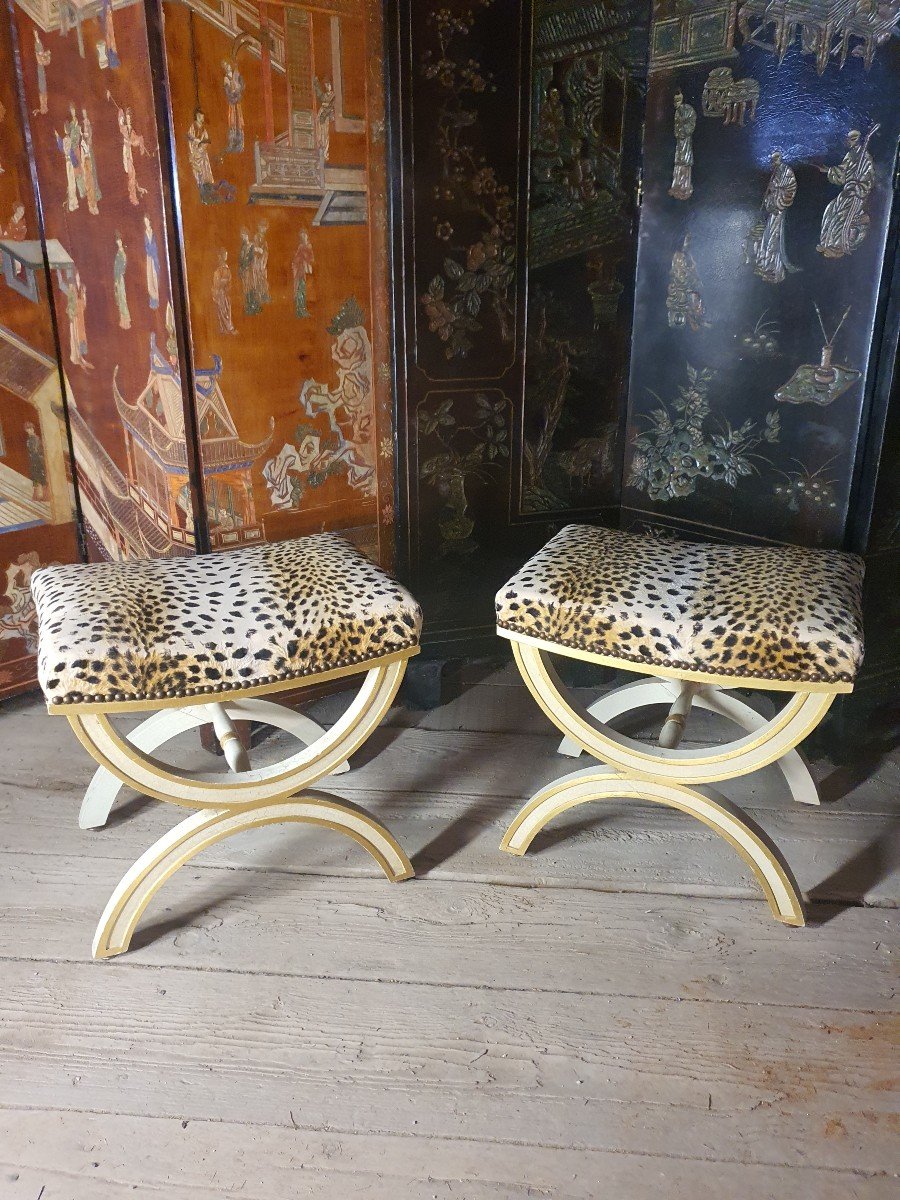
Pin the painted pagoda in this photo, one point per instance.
(158, 470)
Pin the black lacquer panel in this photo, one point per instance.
(758, 275)
(518, 130)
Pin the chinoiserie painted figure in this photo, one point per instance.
(233, 84)
(37, 467)
(684, 301)
(198, 156)
(70, 159)
(764, 247)
(76, 305)
(302, 266)
(260, 266)
(685, 123)
(326, 113)
(845, 221)
(120, 263)
(151, 253)
(73, 133)
(90, 181)
(109, 33)
(131, 141)
(248, 276)
(42, 60)
(221, 293)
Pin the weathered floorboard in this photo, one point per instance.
(288, 1024)
(474, 934)
(107, 1156)
(663, 1077)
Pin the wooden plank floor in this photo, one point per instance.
(615, 1015)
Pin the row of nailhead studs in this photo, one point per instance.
(672, 664)
(208, 688)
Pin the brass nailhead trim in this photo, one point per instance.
(208, 688)
(674, 665)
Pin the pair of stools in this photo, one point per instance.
(199, 641)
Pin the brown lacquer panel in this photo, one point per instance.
(36, 500)
(278, 124)
(88, 89)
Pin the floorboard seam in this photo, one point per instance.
(393, 981)
(332, 1130)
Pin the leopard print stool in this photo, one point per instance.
(699, 620)
(199, 641)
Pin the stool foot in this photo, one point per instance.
(726, 819)
(168, 723)
(203, 829)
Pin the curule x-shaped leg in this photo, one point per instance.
(644, 692)
(139, 885)
(233, 803)
(726, 819)
(168, 723)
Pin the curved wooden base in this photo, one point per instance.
(659, 774)
(168, 723)
(203, 829)
(133, 766)
(604, 783)
(765, 744)
(715, 700)
(231, 802)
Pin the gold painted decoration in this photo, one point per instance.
(764, 246)
(478, 268)
(762, 341)
(468, 450)
(685, 443)
(820, 383)
(682, 187)
(684, 300)
(828, 31)
(734, 100)
(808, 492)
(845, 221)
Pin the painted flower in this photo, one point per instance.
(444, 231)
(484, 182)
(440, 315)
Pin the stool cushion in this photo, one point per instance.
(758, 613)
(218, 622)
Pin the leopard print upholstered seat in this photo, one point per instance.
(185, 627)
(757, 613)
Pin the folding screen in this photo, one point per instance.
(87, 87)
(730, 384)
(277, 115)
(518, 128)
(769, 148)
(36, 500)
(226, 339)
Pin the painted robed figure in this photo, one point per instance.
(685, 123)
(302, 267)
(845, 221)
(764, 247)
